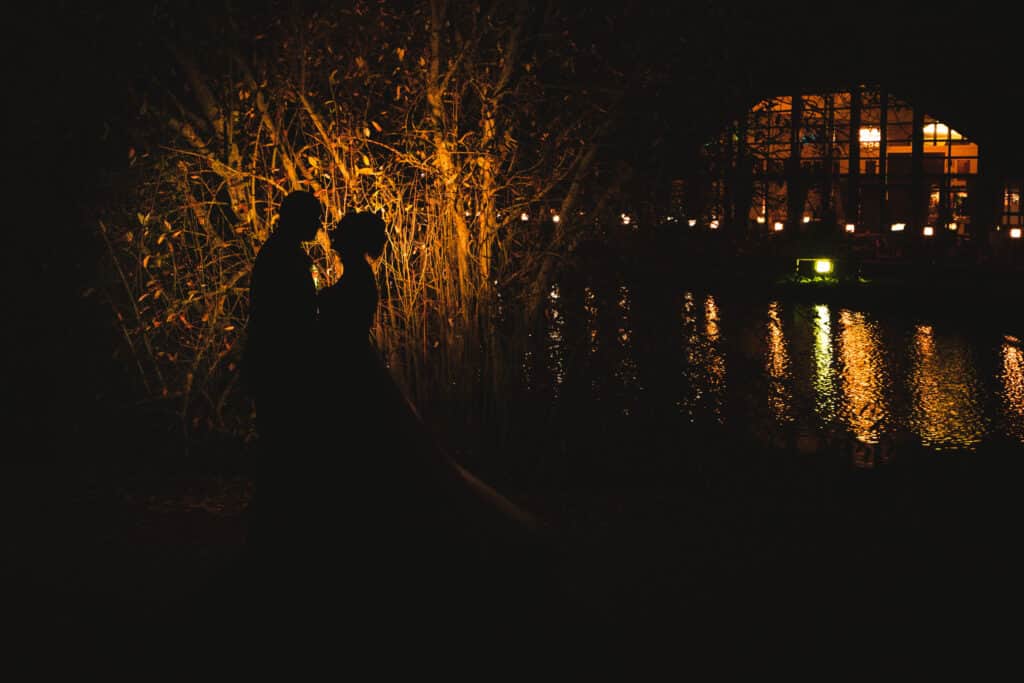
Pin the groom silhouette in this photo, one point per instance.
(278, 363)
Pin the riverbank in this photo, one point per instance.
(918, 286)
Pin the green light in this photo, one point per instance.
(822, 266)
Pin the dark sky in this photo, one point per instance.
(73, 62)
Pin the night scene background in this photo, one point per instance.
(592, 293)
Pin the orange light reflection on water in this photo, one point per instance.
(777, 365)
(1013, 388)
(863, 377)
(946, 411)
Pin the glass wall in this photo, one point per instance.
(857, 164)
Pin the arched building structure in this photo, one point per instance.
(856, 160)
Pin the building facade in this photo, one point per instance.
(858, 160)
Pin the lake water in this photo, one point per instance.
(787, 371)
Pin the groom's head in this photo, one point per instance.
(301, 216)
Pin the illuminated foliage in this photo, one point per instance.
(451, 121)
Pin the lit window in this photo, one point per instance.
(778, 226)
(850, 227)
(870, 137)
(898, 227)
(1015, 233)
(822, 266)
(761, 219)
(940, 131)
(928, 231)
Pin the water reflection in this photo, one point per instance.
(863, 377)
(1012, 376)
(816, 370)
(591, 310)
(946, 408)
(627, 370)
(704, 361)
(824, 385)
(711, 318)
(555, 341)
(777, 365)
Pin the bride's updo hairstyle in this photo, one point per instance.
(357, 234)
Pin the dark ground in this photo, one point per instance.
(724, 552)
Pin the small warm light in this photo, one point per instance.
(692, 222)
(524, 216)
(467, 213)
(761, 219)
(898, 227)
(778, 226)
(941, 130)
(1015, 233)
(928, 231)
(822, 266)
(951, 226)
(625, 218)
(807, 219)
(870, 135)
(713, 225)
(556, 218)
(850, 227)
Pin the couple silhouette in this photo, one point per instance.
(358, 513)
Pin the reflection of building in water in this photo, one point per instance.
(824, 387)
(704, 366)
(778, 368)
(946, 409)
(590, 308)
(711, 318)
(715, 360)
(863, 377)
(1013, 389)
(555, 341)
(627, 370)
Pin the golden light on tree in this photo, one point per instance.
(451, 140)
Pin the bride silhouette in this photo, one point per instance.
(423, 532)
